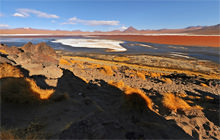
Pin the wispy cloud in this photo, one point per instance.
(4, 26)
(27, 12)
(75, 20)
(18, 15)
(1, 15)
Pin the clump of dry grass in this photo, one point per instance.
(137, 98)
(79, 65)
(3, 51)
(7, 70)
(189, 101)
(131, 75)
(198, 107)
(203, 85)
(15, 134)
(167, 80)
(119, 84)
(114, 68)
(23, 90)
(17, 90)
(64, 62)
(155, 75)
(183, 95)
(209, 98)
(44, 93)
(193, 97)
(107, 70)
(174, 103)
(84, 79)
(7, 135)
(121, 59)
(141, 75)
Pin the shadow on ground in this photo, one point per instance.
(96, 110)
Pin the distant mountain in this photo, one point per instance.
(215, 30)
(206, 30)
(194, 27)
(130, 30)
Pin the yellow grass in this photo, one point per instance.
(148, 68)
(121, 59)
(84, 79)
(131, 75)
(64, 62)
(15, 135)
(155, 75)
(209, 98)
(7, 70)
(44, 93)
(204, 85)
(17, 90)
(183, 95)
(193, 97)
(119, 84)
(198, 107)
(114, 68)
(167, 80)
(132, 91)
(7, 135)
(107, 70)
(189, 101)
(141, 75)
(174, 103)
(3, 51)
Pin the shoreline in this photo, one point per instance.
(187, 40)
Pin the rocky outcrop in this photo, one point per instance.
(39, 59)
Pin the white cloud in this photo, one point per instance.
(122, 28)
(18, 15)
(27, 12)
(75, 20)
(4, 25)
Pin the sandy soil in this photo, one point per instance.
(211, 41)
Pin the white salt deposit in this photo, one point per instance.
(92, 43)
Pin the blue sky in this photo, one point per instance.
(90, 15)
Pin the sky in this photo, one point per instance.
(106, 15)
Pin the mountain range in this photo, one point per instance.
(200, 30)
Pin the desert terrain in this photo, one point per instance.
(58, 94)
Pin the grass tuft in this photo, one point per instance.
(23, 90)
(64, 62)
(107, 70)
(17, 90)
(3, 51)
(137, 98)
(203, 85)
(119, 84)
(174, 103)
(141, 75)
(155, 75)
(44, 93)
(7, 70)
(167, 80)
